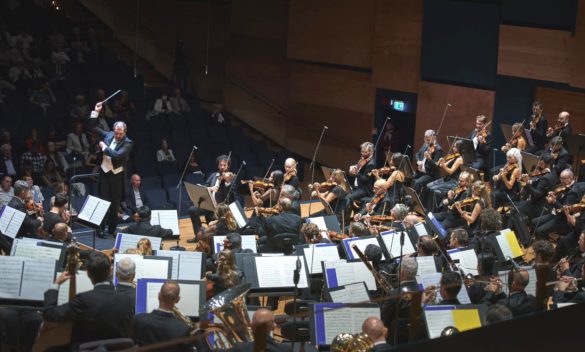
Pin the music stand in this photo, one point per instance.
(327, 171)
(201, 196)
(468, 153)
(576, 148)
(506, 131)
(406, 167)
(473, 172)
(529, 161)
(417, 205)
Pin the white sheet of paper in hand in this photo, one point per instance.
(167, 219)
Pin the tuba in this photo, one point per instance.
(346, 342)
(230, 308)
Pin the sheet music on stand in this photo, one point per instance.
(506, 131)
(93, 210)
(82, 284)
(167, 219)
(125, 241)
(317, 253)
(434, 279)
(467, 260)
(277, 272)
(32, 249)
(25, 278)
(529, 162)
(417, 205)
(391, 240)
(327, 171)
(248, 242)
(426, 265)
(462, 317)
(186, 265)
(341, 272)
(192, 295)
(331, 319)
(468, 148)
(361, 243)
(508, 245)
(10, 221)
(326, 223)
(530, 288)
(201, 196)
(350, 293)
(239, 214)
(147, 267)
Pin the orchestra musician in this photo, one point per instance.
(269, 197)
(394, 182)
(537, 127)
(560, 155)
(22, 197)
(426, 159)
(482, 142)
(333, 193)
(362, 183)
(562, 128)
(567, 193)
(218, 184)
(537, 186)
(378, 204)
(460, 192)
(290, 173)
(311, 233)
(518, 140)
(451, 164)
(507, 180)
(479, 200)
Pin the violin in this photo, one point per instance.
(465, 202)
(383, 171)
(450, 157)
(259, 185)
(535, 120)
(483, 132)
(575, 208)
(266, 211)
(560, 189)
(507, 169)
(382, 218)
(324, 186)
(336, 236)
(459, 189)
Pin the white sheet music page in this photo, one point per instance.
(10, 221)
(248, 242)
(347, 320)
(94, 210)
(319, 253)
(82, 284)
(11, 273)
(362, 243)
(392, 242)
(186, 265)
(238, 215)
(188, 305)
(504, 246)
(421, 230)
(33, 249)
(279, 271)
(125, 241)
(426, 265)
(351, 272)
(37, 277)
(352, 293)
(467, 260)
(437, 320)
(146, 268)
(167, 219)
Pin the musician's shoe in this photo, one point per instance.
(192, 240)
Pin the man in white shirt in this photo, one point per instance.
(6, 190)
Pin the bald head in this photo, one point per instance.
(263, 316)
(375, 329)
(60, 231)
(169, 294)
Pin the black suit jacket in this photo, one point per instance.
(160, 326)
(99, 314)
(30, 223)
(15, 163)
(131, 200)
(129, 291)
(572, 196)
(431, 167)
(383, 347)
(222, 192)
(561, 162)
(271, 346)
(483, 150)
(121, 153)
(286, 222)
(146, 229)
(364, 181)
(539, 190)
(520, 303)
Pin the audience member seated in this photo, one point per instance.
(51, 176)
(6, 190)
(165, 153)
(77, 145)
(80, 110)
(42, 96)
(123, 107)
(179, 105)
(162, 106)
(135, 196)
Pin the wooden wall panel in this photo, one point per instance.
(397, 45)
(260, 18)
(460, 120)
(332, 31)
(577, 78)
(535, 53)
(556, 100)
(341, 89)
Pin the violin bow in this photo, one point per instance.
(269, 168)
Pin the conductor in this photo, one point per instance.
(116, 148)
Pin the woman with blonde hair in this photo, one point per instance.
(226, 275)
(333, 193)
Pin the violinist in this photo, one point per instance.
(566, 194)
(507, 180)
(482, 142)
(537, 186)
(562, 128)
(285, 222)
(518, 140)
(22, 196)
(378, 204)
(362, 183)
(269, 197)
(290, 173)
(57, 214)
(560, 155)
(538, 126)
(394, 182)
(311, 234)
(218, 184)
(451, 165)
(333, 194)
(426, 160)
(471, 207)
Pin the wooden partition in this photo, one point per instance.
(556, 100)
